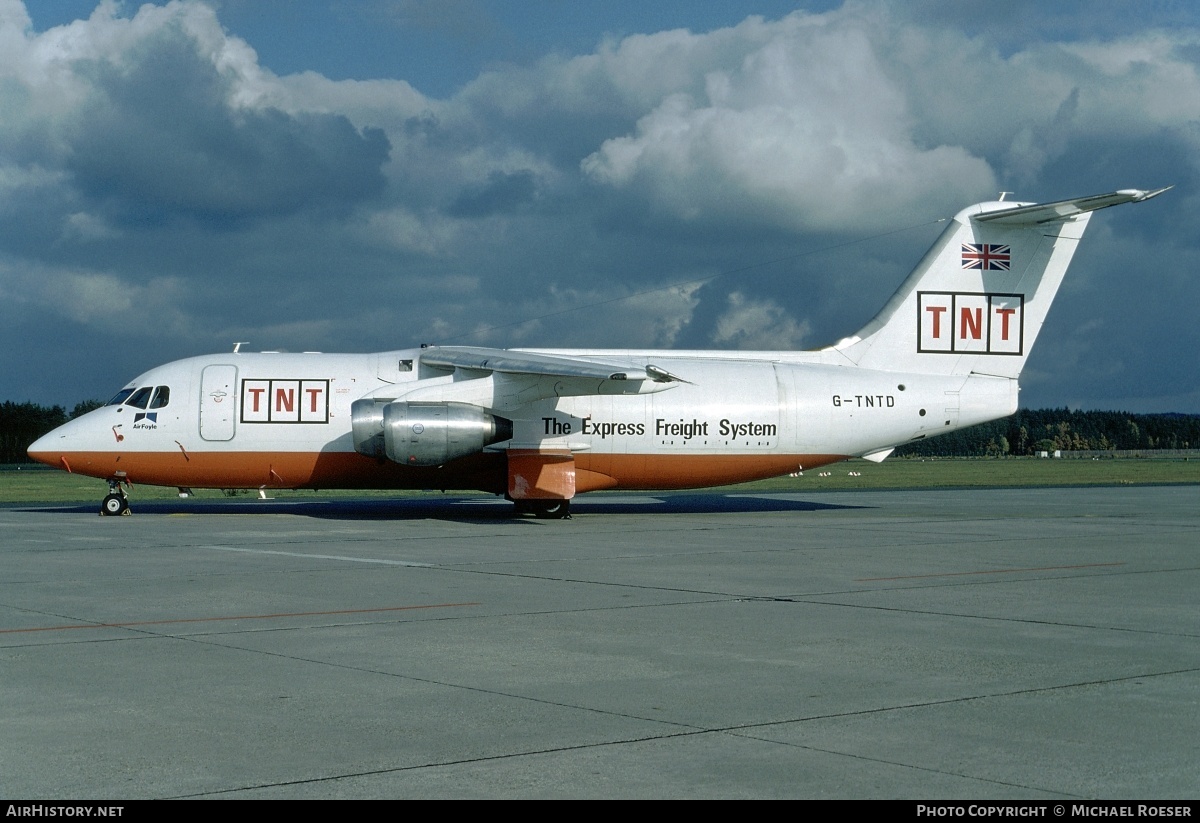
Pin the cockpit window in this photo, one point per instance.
(120, 397)
(162, 396)
(140, 398)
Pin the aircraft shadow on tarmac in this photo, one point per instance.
(466, 509)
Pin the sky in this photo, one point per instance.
(366, 175)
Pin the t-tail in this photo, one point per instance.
(976, 301)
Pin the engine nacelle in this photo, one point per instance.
(424, 434)
(366, 423)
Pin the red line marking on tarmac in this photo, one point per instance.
(233, 617)
(989, 571)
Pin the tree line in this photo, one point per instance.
(1024, 433)
(1030, 431)
(22, 423)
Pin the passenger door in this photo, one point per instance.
(218, 402)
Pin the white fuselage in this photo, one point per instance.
(284, 421)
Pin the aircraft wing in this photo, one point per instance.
(1049, 212)
(506, 361)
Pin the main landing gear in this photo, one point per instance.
(544, 509)
(116, 503)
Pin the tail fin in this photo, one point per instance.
(976, 301)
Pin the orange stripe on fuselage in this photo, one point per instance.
(274, 470)
(487, 471)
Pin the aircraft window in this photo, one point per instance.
(120, 397)
(162, 396)
(139, 398)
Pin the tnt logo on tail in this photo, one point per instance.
(969, 322)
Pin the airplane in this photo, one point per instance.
(540, 426)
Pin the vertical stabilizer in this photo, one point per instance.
(976, 301)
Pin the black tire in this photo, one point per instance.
(114, 505)
(553, 510)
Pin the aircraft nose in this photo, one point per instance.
(47, 449)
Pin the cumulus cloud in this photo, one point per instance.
(151, 165)
(807, 130)
(100, 299)
(154, 117)
(758, 324)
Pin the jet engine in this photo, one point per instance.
(366, 423)
(424, 434)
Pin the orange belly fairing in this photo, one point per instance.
(690, 471)
(486, 471)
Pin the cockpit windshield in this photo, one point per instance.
(152, 397)
(140, 398)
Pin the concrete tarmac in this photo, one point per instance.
(1039, 644)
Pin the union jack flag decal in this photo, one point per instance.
(985, 256)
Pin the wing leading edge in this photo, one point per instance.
(507, 381)
(506, 361)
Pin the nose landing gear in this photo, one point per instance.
(116, 503)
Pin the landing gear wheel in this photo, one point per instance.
(544, 509)
(114, 504)
(553, 510)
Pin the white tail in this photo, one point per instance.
(976, 301)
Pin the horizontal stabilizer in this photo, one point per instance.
(1049, 212)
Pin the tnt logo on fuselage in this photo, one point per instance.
(285, 401)
(969, 322)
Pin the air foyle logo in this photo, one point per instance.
(285, 401)
(970, 323)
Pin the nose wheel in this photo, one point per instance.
(116, 503)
